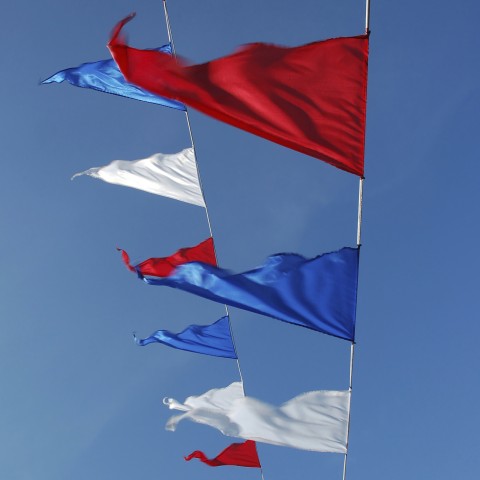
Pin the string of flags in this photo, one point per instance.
(311, 99)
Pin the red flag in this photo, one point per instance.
(239, 454)
(310, 98)
(163, 267)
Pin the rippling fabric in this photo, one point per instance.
(164, 266)
(214, 340)
(105, 76)
(310, 98)
(169, 175)
(316, 421)
(239, 454)
(318, 293)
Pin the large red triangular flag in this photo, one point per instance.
(310, 98)
(239, 454)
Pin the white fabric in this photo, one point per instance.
(173, 175)
(316, 421)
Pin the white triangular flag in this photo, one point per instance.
(170, 175)
(316, 421)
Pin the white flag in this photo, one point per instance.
(174, 175)
(316, 421)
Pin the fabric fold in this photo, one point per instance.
(169, 175)
(203, 252)
(318, 293)
(214, 340)
(105, 76)
(316, 421)
(238, 454)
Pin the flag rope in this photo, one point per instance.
(170, 39)
(352, 346)
(359, 244)
(367, 17)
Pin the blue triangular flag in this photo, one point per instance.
(105, 76)
(214, 339)
(319, 293)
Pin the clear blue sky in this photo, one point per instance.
(79, 400)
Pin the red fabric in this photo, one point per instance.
(163, 267)
(310, 98)
(239, 454)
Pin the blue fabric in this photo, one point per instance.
(318, 293)
(105, 76)
(214, 339)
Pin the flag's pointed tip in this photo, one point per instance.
(114, 36)
(47, 80)
(128, 18)
(135, 339)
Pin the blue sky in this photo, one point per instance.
(80, 400)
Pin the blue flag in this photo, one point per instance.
(105, 76)
(214, 339)
(318, 293)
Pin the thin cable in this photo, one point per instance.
(359, 243)
(352, 347)
(359, 217)
(170, 39)
(352, 352)
(367, 16)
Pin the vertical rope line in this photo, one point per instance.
(367, 16)
(352, 347)
(352, 352)
(359, 243)
(170, 39)
(360, 208)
